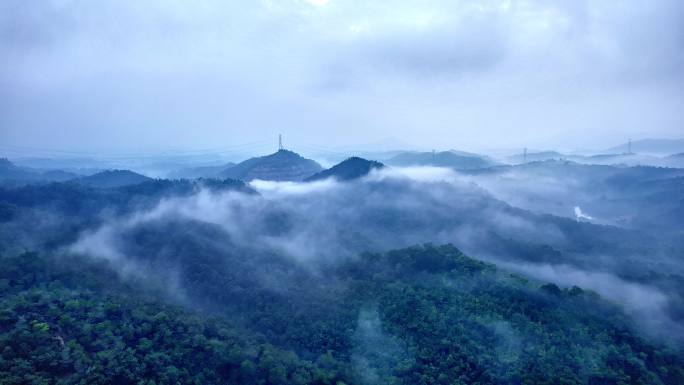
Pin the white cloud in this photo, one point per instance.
(318, 3)
(435, 73)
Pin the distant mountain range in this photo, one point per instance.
(456, 160)
(283, 165)
(624, 159)
(536, 156)
(636, 197)
(349, 169)
(113, 178)
(650, 146)
(199, 172)
(9, 172)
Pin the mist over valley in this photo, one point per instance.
(338, 193)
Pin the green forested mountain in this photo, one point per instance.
(133, 251)
(213, 282)
(422, 315)
(48, 216)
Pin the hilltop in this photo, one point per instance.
(650, 146)
(452, 159)
(351, 168)
(113, 178)
(10, 172)
(199, 172)
(283, 165)
(536, 156)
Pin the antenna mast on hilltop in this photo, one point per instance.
(280, 142)
(629, 147)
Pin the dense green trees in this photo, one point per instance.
(195, 305)
(53, 334)
(422, 315)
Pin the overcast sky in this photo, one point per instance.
(155, 75)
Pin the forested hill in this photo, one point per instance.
(422, 315)
(451, 159)
(34, 217)
(349, 169)
(283, 165)
(113, 178)
(199, 172)
(11, 174)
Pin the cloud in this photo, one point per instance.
(418, 174)
(318, 3)
(431, 72)
(647, 304)
(328, 219)
(581, 215)
(376, 352)
(291, 188)
(325, 221)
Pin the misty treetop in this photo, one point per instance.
(419, 315)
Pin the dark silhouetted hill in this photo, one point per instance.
(113, 178)
(651, 146)
(537, 156)
(451, 159)
(351, 168)
(283, 165)
(11, 173)
(200, 172)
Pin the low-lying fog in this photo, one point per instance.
(323, 221)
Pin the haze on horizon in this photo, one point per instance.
(115, 75)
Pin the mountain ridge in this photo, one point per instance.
(199, 172)
(351, 168)
(113, 178)
(650, 146)
(283, 165)
(10, 172)
(456, 160)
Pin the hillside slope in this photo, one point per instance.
(283, 165)
(417, 315)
